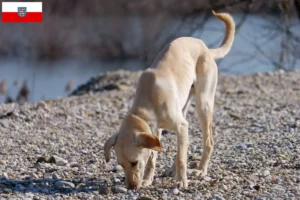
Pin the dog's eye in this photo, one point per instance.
(133, 164)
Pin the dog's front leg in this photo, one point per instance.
(181, 157)
(150, 167)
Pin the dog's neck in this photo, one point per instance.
(147, 116)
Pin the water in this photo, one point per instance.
(257, 48)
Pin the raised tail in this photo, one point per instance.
(229, 35)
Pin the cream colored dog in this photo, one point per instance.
(183, 69)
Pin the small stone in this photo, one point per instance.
(2, 162)
(42, 159)
(231, 161)
(218, 197)
(55, 176)
(64, 185)
(4, 124)
(75, 164)
(35, 176)
(146, 198)
(58, 161)
(19, 187)
(119, 189)
(174, 191)
(241, 147)
(116, 180)
(193, 165)
(7, 191)
(118, 168)
(265, 173)
(224, 187)
(44, 190)
(5, 175)
(42, 104)
(207, 178)
(105, 190)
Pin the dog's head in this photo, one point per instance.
(133, 147)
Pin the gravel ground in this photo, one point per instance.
(54, 149)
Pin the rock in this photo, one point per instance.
(231, 161)
(207, 178)
(174, 191)
(105, 190)
(2, 162)
(146, 198)
(5, 124)
(118, 168)
(5, 175)
(43, 105)
(55, 176)
(218, 197)
(58, 161)
(42, 159)
(119, 189)
(64, 185)
(35, 176)
(116, 180)
(241, 147)
(7, 191)
(19, 187)
(224, 187)
(193, 165)
(265, 173)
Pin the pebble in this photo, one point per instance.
(146, 198)
(2, 162)
(118, 168)
(174, 191)
(207, 178)
(59, 161)
(265, 173)
(105, 190)
(5, 124)
(19, 187)
(5, 175)
(7, 191)
(55, 176)
(224, 187)
(218, 197)
(35, 176)
(64, 185)
(119, 189)
(241, 147)
(42, 104)
(193, 165)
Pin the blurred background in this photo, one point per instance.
(80, 39)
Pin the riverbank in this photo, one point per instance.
(55, 148)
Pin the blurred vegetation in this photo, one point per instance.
(123, 29)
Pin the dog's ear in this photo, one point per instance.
(108, 145)
(148, 140)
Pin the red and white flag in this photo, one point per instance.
(22, 12)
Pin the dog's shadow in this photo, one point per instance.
(51, 186)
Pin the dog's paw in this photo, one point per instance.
(202, 173)
(146, 183)
(182, 183)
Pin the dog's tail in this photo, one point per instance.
(229, 36)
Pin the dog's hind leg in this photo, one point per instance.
(205, 89)
(150, 167)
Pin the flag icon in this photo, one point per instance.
(22, 12)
